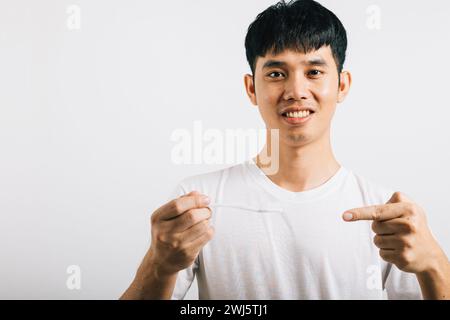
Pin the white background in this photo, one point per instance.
(86, 118)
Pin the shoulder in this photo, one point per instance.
(211, 181)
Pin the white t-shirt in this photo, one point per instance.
(271, 243)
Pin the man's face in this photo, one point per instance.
(293, 81)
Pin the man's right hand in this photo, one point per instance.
(180, 229)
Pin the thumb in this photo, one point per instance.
(399, 197)
(192, 193)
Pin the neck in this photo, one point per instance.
(305, 167)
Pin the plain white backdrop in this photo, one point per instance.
(87, 111)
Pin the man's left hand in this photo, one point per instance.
(402, 233)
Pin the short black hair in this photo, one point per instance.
(301, 25)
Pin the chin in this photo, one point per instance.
(296, 139)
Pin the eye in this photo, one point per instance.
(275, 73)
(315, 73)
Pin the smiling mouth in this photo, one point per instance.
(297, 114)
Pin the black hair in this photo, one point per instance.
(301, 25)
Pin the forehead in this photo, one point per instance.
(323, 56)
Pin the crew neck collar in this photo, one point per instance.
(298, 197)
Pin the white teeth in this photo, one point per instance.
(298, 114)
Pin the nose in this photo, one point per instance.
(296, 88)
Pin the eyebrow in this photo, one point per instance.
(310, 62)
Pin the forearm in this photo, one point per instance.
(149, 284)
(435, 283)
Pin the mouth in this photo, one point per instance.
(297, 117)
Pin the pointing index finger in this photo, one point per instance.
(377, 212)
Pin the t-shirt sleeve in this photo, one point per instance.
(185, 277)
(401, 285)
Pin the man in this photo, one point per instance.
(311, 230)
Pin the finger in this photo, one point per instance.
(180, 205)
(187, 220)
(388, 255)
(195, 231)
(203, 239)
(387, 242)
(378, 212)
(393, 226)
(192, 193)
(399, 197)
(381, 228)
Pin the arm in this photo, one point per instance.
(435, 282)
(150, 282)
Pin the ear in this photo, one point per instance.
(250, 88)
(344, 87)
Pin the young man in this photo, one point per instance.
(311, 230)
